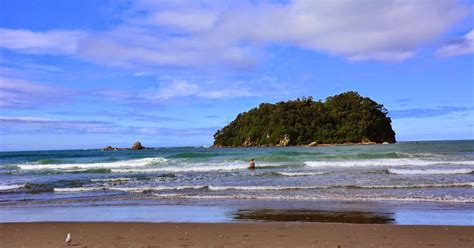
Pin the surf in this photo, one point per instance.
(117, 164)
(430, 171)
(386, 162)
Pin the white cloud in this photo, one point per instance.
(17, 93)
(189, 20)
(178, 88)
(53, 41)
(34, 125)
(25, 124)
(216, 33)
(184, 88)
(168, 89)
(464, 45)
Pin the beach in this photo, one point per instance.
(409, 194)
(233, 235)
(250, 123)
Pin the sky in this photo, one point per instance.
(86, 74)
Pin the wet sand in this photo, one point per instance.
(269, 234)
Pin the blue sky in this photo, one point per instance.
(86, 74)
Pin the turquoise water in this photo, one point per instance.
(408, 172)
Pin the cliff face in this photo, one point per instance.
(344, 118)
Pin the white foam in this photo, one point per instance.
(195, 167)
(259, 188)
(316, 198)
(79, 189)
(12, 186)
(301, 174)
(385, 162)
(126, 163)
(430, 171)
(256, 188)
(413, 186)
(128, 189)
(269, 188)
(118, 179)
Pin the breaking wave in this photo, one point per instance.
(301, 174)
(10, 187)
(126, 163)
(385, 162)
(453, 199)
(257, 188)
(118, 179)
(128, 189)
(194, 155)
(430, 171)
(201, 167)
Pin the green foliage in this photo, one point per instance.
(344, 118)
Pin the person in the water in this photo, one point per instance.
(252, 164)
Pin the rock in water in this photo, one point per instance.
(137, 146)
(108, 148)
(314, 143)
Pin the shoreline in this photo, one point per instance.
(308, 145)
(270, 234)
(236, 211)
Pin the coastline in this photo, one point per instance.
(130, 234)
(405, 195)
(308, 145)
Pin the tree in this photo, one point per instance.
(347, 117)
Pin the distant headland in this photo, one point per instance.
(347, 118)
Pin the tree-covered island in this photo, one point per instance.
(341, 119)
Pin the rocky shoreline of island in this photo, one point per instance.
(313, 144)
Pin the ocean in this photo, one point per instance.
(428, 175)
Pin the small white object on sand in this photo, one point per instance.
(68, 238)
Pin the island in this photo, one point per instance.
(347, 118)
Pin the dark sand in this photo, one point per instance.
(292, 234)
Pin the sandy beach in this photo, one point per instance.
(233, 235)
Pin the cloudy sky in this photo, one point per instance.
(85, 74)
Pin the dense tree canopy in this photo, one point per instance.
(344, 118)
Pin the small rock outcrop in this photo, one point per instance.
(111, 148)
(248, 143)
(137, 146)
(366, 141)
(285, 141)
(108, 148)
(314, 143)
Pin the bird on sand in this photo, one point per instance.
(68, 239)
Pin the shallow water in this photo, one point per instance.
(410, 172)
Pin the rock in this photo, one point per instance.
(248, 143)
(314, 143)
(137, 146)
(108, 148)
(366, 141)
(285, 141)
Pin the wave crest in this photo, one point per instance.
(385, 162)
(430, 171)
(201, 167)
(127, 163)
(301, 174)
(258, 188)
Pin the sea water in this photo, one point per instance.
(440, 173)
